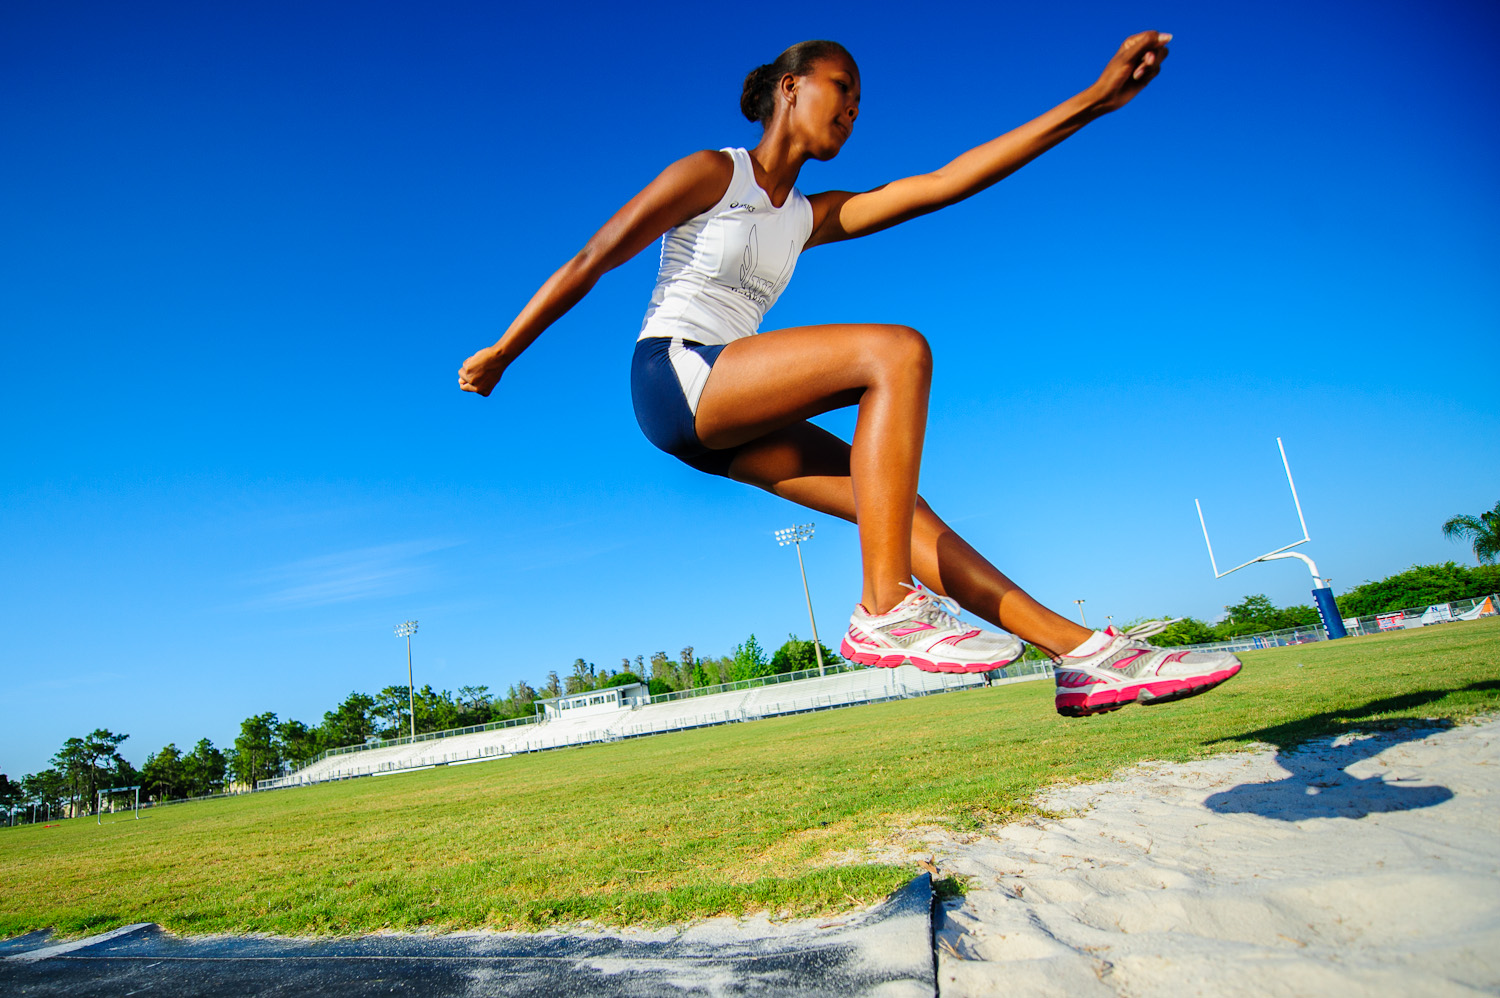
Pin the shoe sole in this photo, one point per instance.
(925, 664)
(1102, 701)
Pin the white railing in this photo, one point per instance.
(810, 694)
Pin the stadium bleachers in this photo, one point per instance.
(840, 689)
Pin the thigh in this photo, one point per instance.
(802, 463)
(809, 466)
(778, 379)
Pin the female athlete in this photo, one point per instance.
(712, 390)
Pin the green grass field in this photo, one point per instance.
(770, 815)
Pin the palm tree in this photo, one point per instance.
(1483, 530)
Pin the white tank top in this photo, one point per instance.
(721, 271)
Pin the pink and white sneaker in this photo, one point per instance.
(923, 629)
(1122, 669)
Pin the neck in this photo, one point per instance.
(778, 159)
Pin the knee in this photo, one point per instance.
(905, 351)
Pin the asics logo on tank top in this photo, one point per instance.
(747, 207)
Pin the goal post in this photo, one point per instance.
(108, 794)
(1322, 593)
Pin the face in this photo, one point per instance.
(824, 104)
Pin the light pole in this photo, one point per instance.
(405, 630)
(794, 536)
(1080, 612)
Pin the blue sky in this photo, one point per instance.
(246, 248)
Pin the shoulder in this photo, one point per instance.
(697, 181)
(705, 164)
(687, 188)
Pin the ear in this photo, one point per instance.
(787, 88)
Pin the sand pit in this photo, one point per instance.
(1366, 865)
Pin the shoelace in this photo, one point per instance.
(1140, 632)
(1137, 635)
(945, 608)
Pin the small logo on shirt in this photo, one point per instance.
(737, 204)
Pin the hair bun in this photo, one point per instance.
(756, 101)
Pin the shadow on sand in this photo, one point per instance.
(1319, 785)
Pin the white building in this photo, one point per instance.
(589, 702)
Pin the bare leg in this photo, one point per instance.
(764, 383)
(811, 466)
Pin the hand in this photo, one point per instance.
(1134, 66)
(481, 372)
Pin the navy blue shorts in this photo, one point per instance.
(667, 375)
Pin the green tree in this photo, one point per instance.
(204, 769)
(620, 679)
(297, 743)
(581, 678)
(715, 670)
(436, 710)
(520, 699)
(47, 789)
(1483, 531)
(389, 711)
(476, 705)
(1420, 586)
(351, 723)
(73, 761)
(685, 662)
(661, 666)
(255, 757)
(1187, 631)
(1255, 614)
(11, 795)
(748, 661)
(797, 655)
(553, 687)
(162, 776)
(101, 750)
(1254, 610)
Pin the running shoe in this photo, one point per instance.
(1127, 670)
(924, 629)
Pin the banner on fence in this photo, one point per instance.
(1485, 609)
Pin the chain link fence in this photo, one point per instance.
(1375, 623)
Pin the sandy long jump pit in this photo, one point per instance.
(1361, 865)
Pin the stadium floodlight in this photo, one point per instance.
(795, 535)
(1080, 611)
(406, 629)
(1333, 620)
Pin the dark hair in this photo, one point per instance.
(758, 99)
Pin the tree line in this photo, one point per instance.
(1418, 586)
(267, 745)
(86, 765)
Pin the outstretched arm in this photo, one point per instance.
(685, 189)
(843, 215)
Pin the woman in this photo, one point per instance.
(712, 390)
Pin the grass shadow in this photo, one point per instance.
(1370, 716)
